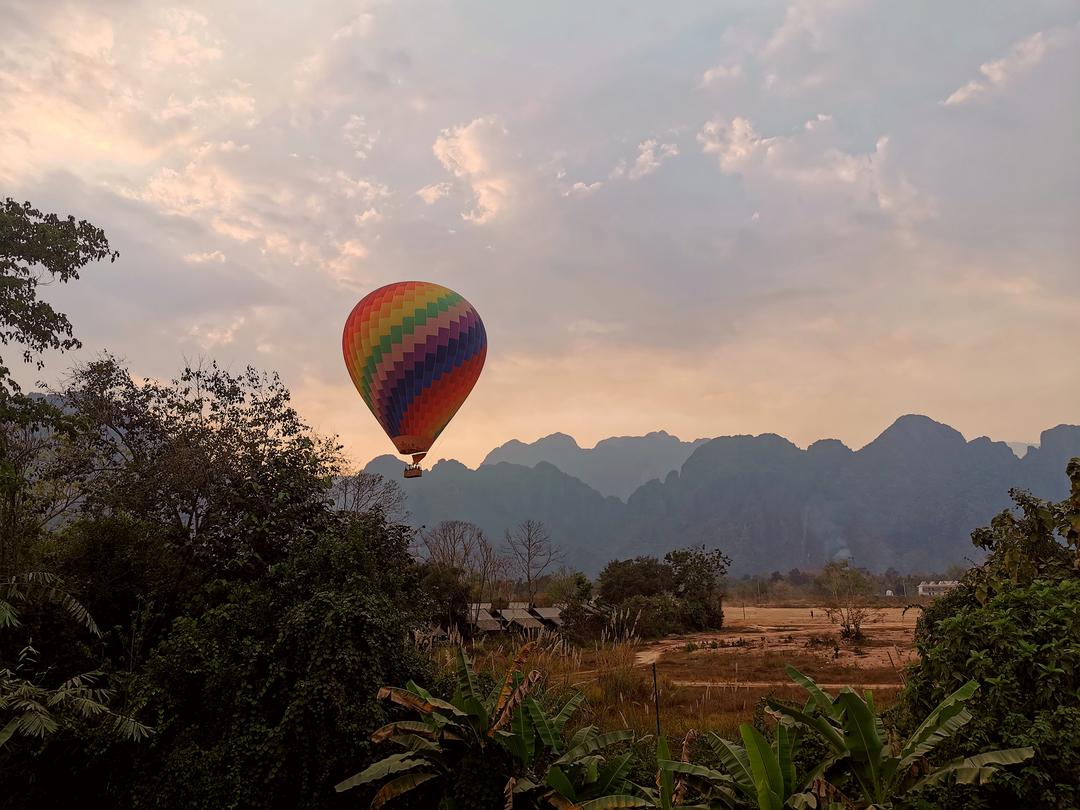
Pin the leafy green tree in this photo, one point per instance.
(222, 461)
(447, 592)
(1013, 626)
(37, 249)
(697, 575)
(641, 576)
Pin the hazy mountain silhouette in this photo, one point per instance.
(909, 499)
(616, 466)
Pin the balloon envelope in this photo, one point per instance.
(414, 351)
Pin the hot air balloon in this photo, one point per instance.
(414, 351)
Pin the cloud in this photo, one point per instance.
(580, 189)
(722, 72)
(183, 42)
(808, 171)
(431, 194)
(215, 334)
(800, 276)
(651, 154)
(468, 152)
(1024, 55)
(204, 258)
(357, 135)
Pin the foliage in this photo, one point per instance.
(641, 576)
(524, 754)
(221, 460)
(29, 705)
(1013, 625)
(34, 245)
(289, 664)
(681, 593)
(696, 577)
(882, 768)
(762, 772)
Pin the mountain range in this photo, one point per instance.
(908, 500)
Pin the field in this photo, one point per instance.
(714, 681)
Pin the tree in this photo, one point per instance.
(696, 577)
(1012, 626)
(221, 461)
(531, 553)
(452, 543)
(568, 587)
(34, 246)
(263, 691)
(642, 576)
(367, 492)
(846, 589)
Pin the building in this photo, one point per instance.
(550, 616)
(518, 617)
(522, 621)
(937, 588)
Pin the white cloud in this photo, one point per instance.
(431, 194)
(1024, 55)
(651, 154)
(468, 151)
(356, 133)
(722, 72)
(369, 215)
(580, 189)
(807, 169)
(350, 254)
(211, 335)
(183, 42)
(359, 27)
(205, 258)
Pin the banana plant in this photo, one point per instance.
(493, 728)
(757, 772)
(507, 729)
(884, 769)
(576, 774)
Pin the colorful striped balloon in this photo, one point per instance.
(414, 351)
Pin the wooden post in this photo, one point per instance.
(656, 700)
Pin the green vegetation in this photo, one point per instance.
(1014, 626)
(683, 592)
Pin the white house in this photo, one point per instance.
(937, 588)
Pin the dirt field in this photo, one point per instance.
(757, 642)
(714, 681)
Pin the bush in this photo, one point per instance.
(1023, 646)
(1013, 625)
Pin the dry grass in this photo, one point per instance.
(713, 681)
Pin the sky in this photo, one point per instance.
(711, 218)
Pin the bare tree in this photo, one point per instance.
(531, 553)
(368, 492)
(452, 543)
(463, 546)
(847, 590)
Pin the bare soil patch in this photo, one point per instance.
(758, 642)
